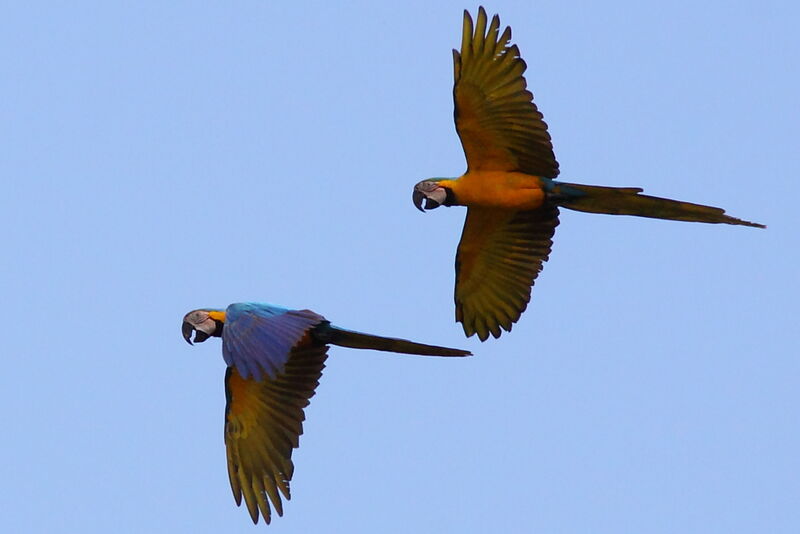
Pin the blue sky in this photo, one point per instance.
(158, 158)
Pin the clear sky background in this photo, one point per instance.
(158, 157)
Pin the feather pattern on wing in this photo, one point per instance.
(500, 255)
(263, 423)
(498, 123)
(258, 338)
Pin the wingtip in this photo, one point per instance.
(254, 518)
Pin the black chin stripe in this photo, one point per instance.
(449, 198)
(218, 330)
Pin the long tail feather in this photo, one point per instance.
(327, 333)
(629, 201)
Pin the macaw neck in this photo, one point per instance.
(217, 315)
(448, 184)
(219, 322)
(219, 326)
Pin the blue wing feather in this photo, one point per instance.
(258, 338)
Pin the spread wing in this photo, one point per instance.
(498, 259)
(258, 338)
(498, 123)
(263, 423)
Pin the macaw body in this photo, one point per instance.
(509, 188)
(275, 358)
(497, 189)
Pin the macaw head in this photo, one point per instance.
(433, 193)
(204, 324)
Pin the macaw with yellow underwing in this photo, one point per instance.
(509, 189)
(275, 358)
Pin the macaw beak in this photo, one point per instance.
(187, 330)
(199, 335)
(419, 196)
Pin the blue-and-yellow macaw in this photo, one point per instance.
(509, 187)
(275, 358)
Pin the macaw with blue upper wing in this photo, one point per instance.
(509, 187)
(275, 358)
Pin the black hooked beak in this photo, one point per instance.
(187, 330)
(419, 196)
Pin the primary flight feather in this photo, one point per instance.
(509, 189)
(275, 358)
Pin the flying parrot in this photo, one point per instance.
(275, 358)
(509, 189)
